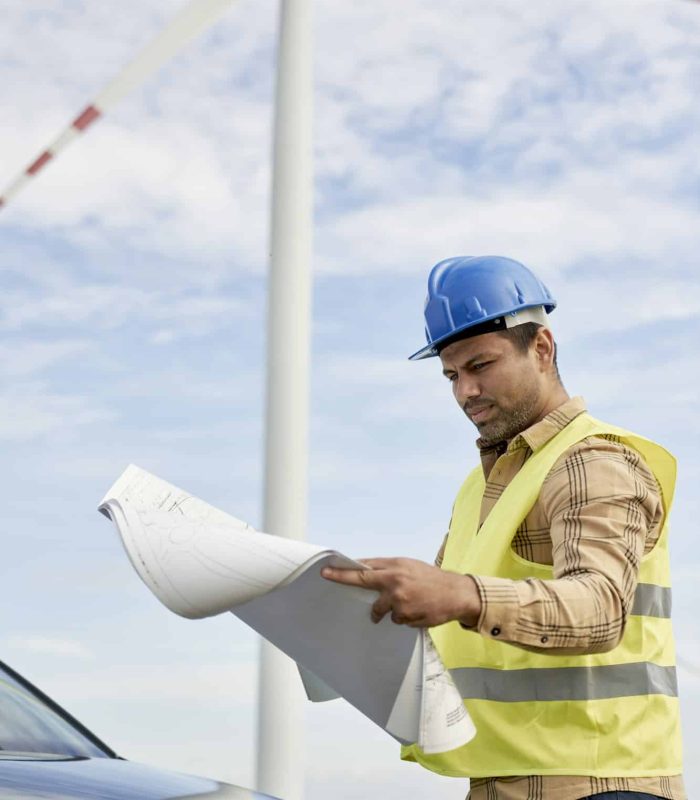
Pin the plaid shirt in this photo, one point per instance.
(599, 511)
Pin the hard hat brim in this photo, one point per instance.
(485, 325)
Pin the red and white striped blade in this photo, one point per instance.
(194, 18)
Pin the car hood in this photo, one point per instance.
(107, 779)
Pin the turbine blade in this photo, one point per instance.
(192, 20)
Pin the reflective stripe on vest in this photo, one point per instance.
(652, 601)
(565, 683)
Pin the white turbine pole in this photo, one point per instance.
(280, 767)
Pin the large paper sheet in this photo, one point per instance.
(200, 561)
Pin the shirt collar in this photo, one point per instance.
(541, 432)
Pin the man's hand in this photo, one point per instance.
(416, 593)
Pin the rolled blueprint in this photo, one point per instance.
(199, 561)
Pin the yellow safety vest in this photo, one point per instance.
(611, 714)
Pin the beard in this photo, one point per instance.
(506, 423)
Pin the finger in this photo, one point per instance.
(351, 577)
(378, 563)
(380, 608)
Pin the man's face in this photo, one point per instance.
(498, 387)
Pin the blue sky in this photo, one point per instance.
(132, 313)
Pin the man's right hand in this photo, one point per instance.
(415, 593)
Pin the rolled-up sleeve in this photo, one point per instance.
(604, 511)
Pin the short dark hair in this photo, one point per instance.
(522, 336)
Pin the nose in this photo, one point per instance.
(465, 388)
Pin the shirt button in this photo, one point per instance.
(495, 631)
(544, 639)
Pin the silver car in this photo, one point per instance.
(46, 754)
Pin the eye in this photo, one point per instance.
(451, 376)
(480, 365)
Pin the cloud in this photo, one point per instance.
(129, 683)
(553, 230)
(25, 358)
(31, 409)
(50, 646)
(155, 170)
(110, 306)
(383, 387)
(560, 149)
(558, 138)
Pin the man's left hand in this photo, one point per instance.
(415, 593)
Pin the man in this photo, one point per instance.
(550, 603)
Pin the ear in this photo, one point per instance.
(544, 348)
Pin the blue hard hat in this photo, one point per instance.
(468, 291)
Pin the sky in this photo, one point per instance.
(132, 315)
